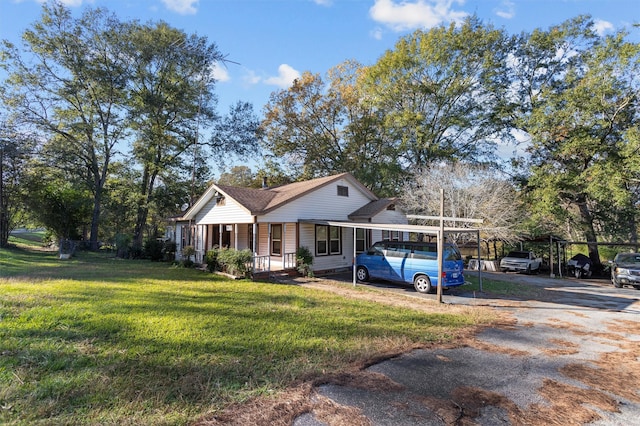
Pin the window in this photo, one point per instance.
(343, 191)
(361, 240)
(276, 240)
(328, 240)
(391, 235)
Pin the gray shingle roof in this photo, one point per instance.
(263, 200)
(373, 208)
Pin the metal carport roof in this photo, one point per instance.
(433, 230)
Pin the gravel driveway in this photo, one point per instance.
(571, 356)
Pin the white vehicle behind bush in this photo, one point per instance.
(521, 261)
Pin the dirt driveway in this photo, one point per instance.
(572, 356)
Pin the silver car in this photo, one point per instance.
(625, 270)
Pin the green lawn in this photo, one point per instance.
(96, 340)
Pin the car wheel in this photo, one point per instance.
(616, 283)
(637, 287)
(528, 271)
(578, 273)
(504, 271)
(422, 284)
(362, 274)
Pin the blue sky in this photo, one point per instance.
(273, 41)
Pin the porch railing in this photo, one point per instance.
(271, 263)
(289, 261)
(261, 263)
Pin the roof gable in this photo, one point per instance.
(260, 201)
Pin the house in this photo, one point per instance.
(274, 222)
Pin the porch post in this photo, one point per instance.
(282, 249)
(269, 250)
(255, 252)
(220, 235)
(235, 236)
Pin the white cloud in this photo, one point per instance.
(183, 7)
(220, 73)
(601, 27)
(323, 2)
(376, 33)
(285, 77)
(250, 78)
(507, 11)
(409, 15)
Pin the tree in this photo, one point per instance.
(240, 176)
(58, 204)
(470, 192)
(170, 92)
(172, 101)
(322, 128)
(438, 90)
(71, 88)
(15, 152)
(581, 112)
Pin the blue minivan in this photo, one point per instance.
(411, 262)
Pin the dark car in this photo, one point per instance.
(625, 270)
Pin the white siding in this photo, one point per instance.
(331, 262)
(390, 216)
(231, 212)
(323, 203)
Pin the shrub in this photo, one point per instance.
(211, 258)
(153, 250)
(122, 242)
(136, 251)
(187, 252)
(169, 250)
(304, 260)
(235, 261)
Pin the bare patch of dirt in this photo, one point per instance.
(361, 380)
(483, 346)
(284, 408)
(565, 348)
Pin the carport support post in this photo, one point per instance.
(353, 262)
(440, 246)
(479, 262)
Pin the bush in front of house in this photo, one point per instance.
(304, 262)
(153, 250)
(187, 253)
(211, 259)
(234, 262)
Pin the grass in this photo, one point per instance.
(96, 340)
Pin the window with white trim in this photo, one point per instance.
(328, 240)
(276, 240)
(391, 235)
(362, 240)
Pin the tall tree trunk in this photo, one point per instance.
(95, 220)
(588, 230)
(4, 218)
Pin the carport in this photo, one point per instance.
(438, 231)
